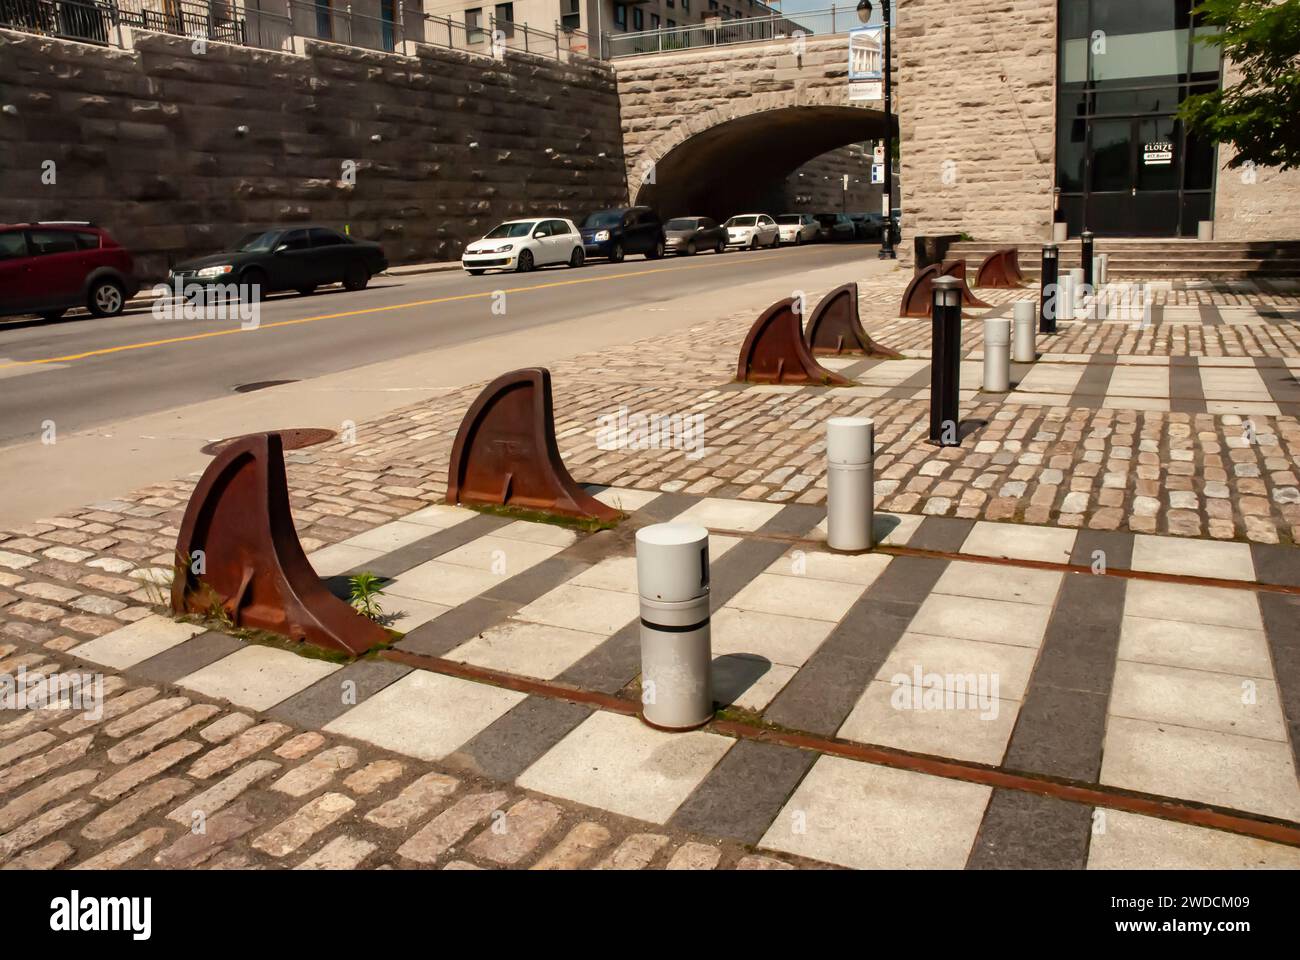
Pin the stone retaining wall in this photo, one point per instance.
(147, 143)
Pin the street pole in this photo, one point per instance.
(887, 247)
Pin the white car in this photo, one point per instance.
(797, 228)
(523, 245)
(752, 230)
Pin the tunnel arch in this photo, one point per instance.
(736, 157)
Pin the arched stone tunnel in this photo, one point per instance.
(740, 164)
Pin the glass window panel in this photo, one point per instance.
(1074, 19)
(1205, 56)
(1132, 55)
(1074, 61)
(1198, 164)
(1140, 16)
(1112, 152)
(1071, 142)
(1151, 100)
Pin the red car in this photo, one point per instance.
(49, 268)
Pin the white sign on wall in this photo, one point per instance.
(877, 173)
(866, 90)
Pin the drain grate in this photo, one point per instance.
(294, 438)
(259, 385)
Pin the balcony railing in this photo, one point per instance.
(716, 33)
(229, 21)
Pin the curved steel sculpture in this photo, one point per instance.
(238, 549)
(835, 327)
(1001, 270)
(505, 452)
(774, 351)
(918, 297)
(957, 270)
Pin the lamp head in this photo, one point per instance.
(864, 10)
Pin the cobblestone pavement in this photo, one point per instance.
(1053, 454)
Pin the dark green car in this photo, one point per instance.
(291, 258)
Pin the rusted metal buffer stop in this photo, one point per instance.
(774, 351)
(506, 454)
(238, 550)
(1001, 270)
(835, 327)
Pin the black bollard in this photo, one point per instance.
(1048, 293)
(1085, 251)
(945, 361)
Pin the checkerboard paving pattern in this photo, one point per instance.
(1195, 710)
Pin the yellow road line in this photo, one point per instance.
(188, 338)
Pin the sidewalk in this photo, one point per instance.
(1121, 578)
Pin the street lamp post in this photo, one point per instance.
(887, 251)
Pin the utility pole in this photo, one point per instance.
(887, 247)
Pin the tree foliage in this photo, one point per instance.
(1260, 114)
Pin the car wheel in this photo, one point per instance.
(721, 247)
(254, 282)
(107, 298)
(753, 243)
(690, 249)
(356, 276)
(525, 263)
(51, 314)
(798, 239)
(577, 258)
(657, 252)
(306, 291)
(616, 255)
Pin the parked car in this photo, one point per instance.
(868, 226)
(616, 233)
(752, 230)
(47, 268)
(796, 228)
(834, 226)
(523, 245)
(689, 235)
(287, 258)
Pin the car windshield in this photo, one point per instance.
(789, 218)
(517, 228)
(258, 242)
(681, 223)
(742, 221)
(606, 218)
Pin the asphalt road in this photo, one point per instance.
(81, 372)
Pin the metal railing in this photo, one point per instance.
(99, 21)
(230, 21)
(776, 26)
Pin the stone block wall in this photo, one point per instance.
(823, 185)
(1254, 204)
(977, 117)
(147, 143)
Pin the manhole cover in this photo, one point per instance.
(295, 438)
(260, 385)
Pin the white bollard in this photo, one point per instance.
(997, 355)
(850, 482)
(672, 574)
(1079, 290)
(1065, 297)
(1101, 274)
(1025, 350)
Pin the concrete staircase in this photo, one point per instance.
(1162, 259)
